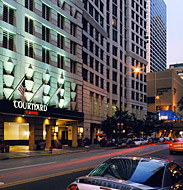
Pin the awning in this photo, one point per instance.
(166, 115)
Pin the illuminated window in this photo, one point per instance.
(8, 15)
(45, 33)
(29, 51)
(60, 21)
(73, 67)
(8, 40)
(29, 4)
(73, 46)
(29, 26)
(60, 41)
(45, 55)
(45, 12)
(60, 61)
(73, 29)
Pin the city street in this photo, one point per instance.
(56, 172)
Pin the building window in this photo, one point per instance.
(91, 103)
(96, 50)
(85, 41)
(101, 54)
(114, 89)
(96, 65)
(101, 83)
(91, 62)
(45, 12)
(97, 105)
(60, 41)
(85, 74)
(85, 24)
(108, 74)
(73, 46)
(45, 55)
(115, 50)
(96, 35)
(115, 35)
(29, 51)
(60, 61)
(73, 29)
(90, 9)
(8, 40)
(85, 58)
(45, 33)
(29, 4)
(108, 87)
(29, 26)
(114, 62)
(101, 68)
(60, 21)
(114, 76)
(8, 15)
(91, 30)
(73, 67)
(102, 106)
(91, 78)
(96, 80)
(91, 46)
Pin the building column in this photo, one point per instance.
(74, 135)
(48, 136)
(32, 145)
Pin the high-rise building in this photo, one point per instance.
(41, 72)
(114, 45)
(94, 66)
(157, 35)
(126, 51)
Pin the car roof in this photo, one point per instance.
(148, 159)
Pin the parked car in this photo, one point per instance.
(139, 141)
(176, 145)
(132, 173)
(125, 143)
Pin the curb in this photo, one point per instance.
(36, 155)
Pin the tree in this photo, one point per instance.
(180, 104)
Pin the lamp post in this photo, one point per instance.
(135, 70)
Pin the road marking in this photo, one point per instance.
(152, 152)
(61, 173)
(27, 166)
(44, 177)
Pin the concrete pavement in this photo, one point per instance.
(23, 152)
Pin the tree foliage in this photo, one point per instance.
(130, 124)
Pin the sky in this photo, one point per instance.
(174, 31)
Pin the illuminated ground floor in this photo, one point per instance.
(33, 128)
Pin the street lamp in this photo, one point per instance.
(135, 70)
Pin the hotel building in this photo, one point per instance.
(41, 48)
(76, 60)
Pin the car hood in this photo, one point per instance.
(112, 183)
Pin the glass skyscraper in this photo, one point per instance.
(157, 35)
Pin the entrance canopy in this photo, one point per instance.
(166, 115)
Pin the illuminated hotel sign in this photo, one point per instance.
(29, 106)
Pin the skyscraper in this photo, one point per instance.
(157, 35)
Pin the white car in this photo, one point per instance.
(139, 141)
(132, 173)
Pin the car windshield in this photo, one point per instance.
(136, 139)
(178, 140)
(147, 172)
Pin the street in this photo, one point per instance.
(56, 172)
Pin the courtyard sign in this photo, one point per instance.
(29, 106)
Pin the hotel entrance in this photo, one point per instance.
(16, 135)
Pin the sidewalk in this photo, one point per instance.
(23, 152)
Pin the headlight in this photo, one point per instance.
(72, 187)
